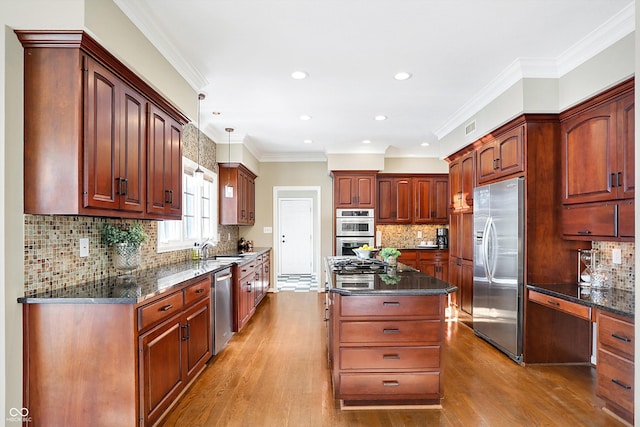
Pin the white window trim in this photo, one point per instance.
(189, 166)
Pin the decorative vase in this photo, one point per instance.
(392, 261)
(126, 257)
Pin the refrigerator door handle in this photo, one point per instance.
(492, 243)
(485, 249)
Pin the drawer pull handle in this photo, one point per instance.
(167, 307)
(391, 304)
(621, 384)
(585, 232)
(618, 337)
(391, 357)
(390, 383)
(557, 304)
(199, 291)
(391, 331)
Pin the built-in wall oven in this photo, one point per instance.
(354, 228)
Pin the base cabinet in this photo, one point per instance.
(115, 364)
(386, 349)
(251, 281)
(614, 371)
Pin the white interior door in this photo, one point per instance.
(296, 236)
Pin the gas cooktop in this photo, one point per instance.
(352, 265)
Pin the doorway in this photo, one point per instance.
(296, 238)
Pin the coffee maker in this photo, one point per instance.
(442, 238)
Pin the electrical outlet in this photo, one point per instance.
(84, 247)
(419, 234)
(228, 236)
(616, 256)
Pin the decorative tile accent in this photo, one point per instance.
(51, 243)
(621, 276)
(405, 236)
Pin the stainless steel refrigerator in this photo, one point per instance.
(498, 265)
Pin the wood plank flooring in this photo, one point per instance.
(275, 373)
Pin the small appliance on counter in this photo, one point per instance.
(442, 238)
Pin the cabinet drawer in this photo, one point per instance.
(390, 384)
(616, 335)
(392, 332)
(433, 255)
(615, 379)
(246, 270)
(589, 220)
(196, 291)
(159, 310)
(390, 358)
(390, 306)
(574, 309)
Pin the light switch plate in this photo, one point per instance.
(267, 230)
(419, 234)
(616, 256)
(84, 247)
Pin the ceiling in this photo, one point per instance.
(460, 53)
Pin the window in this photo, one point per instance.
(199, 211)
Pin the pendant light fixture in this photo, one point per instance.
(228, 189)
(199, 171)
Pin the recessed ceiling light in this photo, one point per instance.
(307, 141)
(305, 117)
(299, 75)
(366, 141)
(403, 75)
(380, 117)
(425, 144)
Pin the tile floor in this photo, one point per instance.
(297, 282)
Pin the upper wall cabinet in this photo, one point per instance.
(354, 189)
(502, 156)
(461, 180)
(598, 166)
(87, 133)
(238, 206)
(414, 199)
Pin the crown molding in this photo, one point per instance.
(292, 157)
(140, 16)
(614, 29)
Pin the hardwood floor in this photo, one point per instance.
(275, 373)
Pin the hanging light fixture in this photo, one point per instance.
(199, 170)
(228, 189)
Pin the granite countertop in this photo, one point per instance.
(614, 300)
(403, 280)
(422, 248)
(140, 286)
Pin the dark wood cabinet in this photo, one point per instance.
(415, 199)
(114, 142)
(238, 206)
(461, 259)
(461, 181)
(501, 156)
(164, 166)
(354, 189)
(125, 364)
(434, 263)
(86, 131)
(598, 166)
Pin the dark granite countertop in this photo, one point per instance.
(141, 286)
(423, 248)
(403, 280)
(614, 300)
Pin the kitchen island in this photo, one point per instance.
(385, 334)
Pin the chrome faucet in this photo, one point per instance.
(205, 247)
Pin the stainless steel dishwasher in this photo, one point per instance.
(222, 315)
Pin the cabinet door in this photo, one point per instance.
(465, 284)
(468, 173)
(101, 138)
(626, 147)
(161, 371)
(354, 191)
(465, 236)
(344, 194)
(164, 165)
(588, 155)
(590, 221)
(487, 168)
(440, 210)
(626, 219)
(425, 190)
(455, 184)
(394, 200)
(365, 191)
(455, 226)
(198, 339)
(510, 151)
(133, 151)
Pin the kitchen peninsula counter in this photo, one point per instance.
(386, 337)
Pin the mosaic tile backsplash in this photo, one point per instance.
(406, 236)
(623, 275)
(51, 243)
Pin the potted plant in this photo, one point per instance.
(390, 255)
(126, 243)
